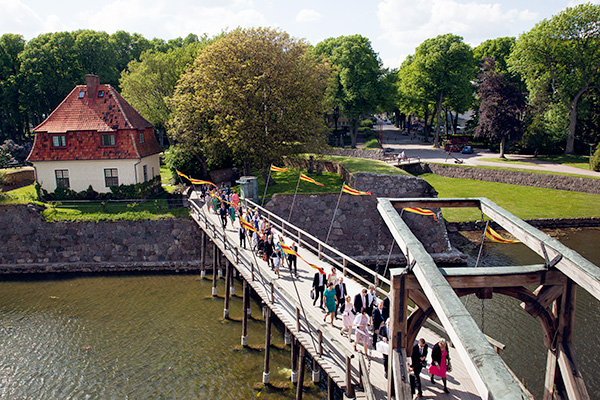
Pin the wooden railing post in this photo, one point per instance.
(345, 263)
(272, 293)
(319, 252)
(320, 343)
(300, 374)
(252, 272)
(227, 289)
(267, 370)
(298, 326)
(214, 274)
(245, 307)
(349, 387)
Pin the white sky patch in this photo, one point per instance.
(307, 15)
(17, 17)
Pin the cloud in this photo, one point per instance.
(406, 24)
(17, 17)
(307, 15)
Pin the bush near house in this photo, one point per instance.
(143, 190)
(595, 163)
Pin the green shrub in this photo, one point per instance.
(596, 160)
(366, 123)
(372, 144)
(142, 190)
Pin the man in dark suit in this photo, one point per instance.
(384, 336)
(361, 300)
(340, 294)
(377, 319)
(319, 287)
(418, 356)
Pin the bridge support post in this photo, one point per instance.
(287, 337)
(330, 388)
(214, 272)
(232, 280)
(228, 268)
(316, 373)
(203, 256)
(300, 374)
(294, 374)
(245, 308)
(267, 370)
(349, 388)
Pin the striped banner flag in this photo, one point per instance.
(246, 225)
(421, 211)
(221, 200)
(311, 180)
(349, 190)
(289, 250)
(182, 174)
(201, 182)
(277, 169)
(495, 237)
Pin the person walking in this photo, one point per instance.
(378, 320)
(318, 288)
(332, 277)
(292, 260)
(418, 357)
(330, 302)
(361, 322)
(242, 234)
(276, 260)
(341, 293)
(360, 301)
(347, 317)
(440, 359)
(383, 345)
(223, 215)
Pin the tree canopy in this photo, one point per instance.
(255, 94)
(559, 60)
(358, 84)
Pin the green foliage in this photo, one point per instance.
(595, 162)
(366, 123)
(499, 49)
(142, 190)
(372, 144)
(64, 211)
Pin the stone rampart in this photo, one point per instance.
(373, 154)
(560, 182)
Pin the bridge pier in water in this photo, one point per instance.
(267, 370)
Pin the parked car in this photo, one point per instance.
(467, 150)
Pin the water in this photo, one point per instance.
(507, 322)
(133, 337)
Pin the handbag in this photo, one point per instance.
(312, 294)
(448, 365)
(264, 257)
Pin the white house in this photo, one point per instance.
(94, 137)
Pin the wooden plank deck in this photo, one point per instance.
(291, 293)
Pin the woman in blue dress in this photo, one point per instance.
(330, 302)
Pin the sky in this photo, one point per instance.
(395, 27)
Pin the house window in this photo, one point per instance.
(111, 177)
(141, 137)
(145, 169)
(81, 94)
(59, 141)
(108, 139)
(100, 93)
(62, 178)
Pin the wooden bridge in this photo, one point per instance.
(478, 372)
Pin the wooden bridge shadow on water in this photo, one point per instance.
(478, 372)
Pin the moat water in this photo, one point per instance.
(163, 336)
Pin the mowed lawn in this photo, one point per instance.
(525, 202)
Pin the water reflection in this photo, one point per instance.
(504, 319)
(136, 337)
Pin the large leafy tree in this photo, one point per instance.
(13, 121)
(358, 85)
(442, 70)
(501, 108)
(559, 60)
(255, 94)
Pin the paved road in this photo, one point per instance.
(414, 147)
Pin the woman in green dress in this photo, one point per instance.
(330, 302)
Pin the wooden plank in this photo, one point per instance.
(571, 375)
(550, 376)
(366, 383)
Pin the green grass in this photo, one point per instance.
(355, 165)
(524, 201)
(582, 162)
(287, 181)
(372, 144)
(531, 171)
(165, 179)
(112, 211)
(505, 160)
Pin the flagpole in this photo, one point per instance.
(266, 186)
(293, 201)
(336, 208)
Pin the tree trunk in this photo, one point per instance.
(455, 123)
(426, 127)
(570, 149)
(353, 131)
(502, 146)
(438, 112)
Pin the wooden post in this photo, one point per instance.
(295, 348)
(203, 255)
(272, 293)
(231, 279)
(330, 390)
(287, 337)
(300, 374)
(320, 343)
(247, 299)
(267, 371)
(220, 266)
(349, 387)
(398, 323)
(214, 274)
(227, 284)
(316, 373)
(345, 267)
(298, 326)
(252, 272)
(319, 251)
(245, 307)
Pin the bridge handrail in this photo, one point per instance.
(301, 234)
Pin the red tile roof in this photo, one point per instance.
(83, 119)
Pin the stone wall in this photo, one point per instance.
(29, 244)
(373, 154)
(542, 223)
(560, 182)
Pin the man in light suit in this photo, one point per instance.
(319, 287)
(340, 294)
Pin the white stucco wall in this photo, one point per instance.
(85, 173)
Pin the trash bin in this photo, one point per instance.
(248, 188)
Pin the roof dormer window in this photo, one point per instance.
(100, 93)
(81, 94)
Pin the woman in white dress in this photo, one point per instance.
(332, 277)
(361, 322)
(347, 317)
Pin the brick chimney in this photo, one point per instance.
(92, 82)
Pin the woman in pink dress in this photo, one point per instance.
(439, 362)
(348, 317)
(361, 323)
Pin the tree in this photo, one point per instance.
(13, 121)
(560, 59)
(358, 75)
(442, 69)
(255, 94)
(501, 109)
(499, 49)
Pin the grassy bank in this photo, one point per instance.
(525, 202)
(157, 209)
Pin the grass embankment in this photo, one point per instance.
(582, 162)
(506, 160)
(525, 202)
(530, 171)
(288, 180)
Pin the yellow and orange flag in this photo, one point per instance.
(311, 180)
(247, 225)
(277, 169)
(421, 211)
(182, 174)
(221, 200)
(349, 190)
(194, 181)
(289, 250)
(495, 237)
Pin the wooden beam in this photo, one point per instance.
(267, 370)
(546, 295)
(245, 307)
(435, 203)
(419, 298)
(550, 376)
(570, 373)
(300, 374)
